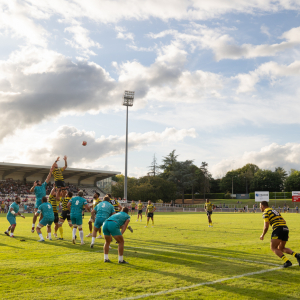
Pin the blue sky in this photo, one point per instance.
(216, 81)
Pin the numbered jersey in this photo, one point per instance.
(52, 200)
(104, 210)
(47, 210)
(273, 217)
(115, 204)
(77, 204)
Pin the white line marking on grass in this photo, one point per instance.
(200, 284)
(207, 255)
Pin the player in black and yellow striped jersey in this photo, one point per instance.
(65, 213)
(96, 201)
(280, 234)
(115, 203)
(132, 204)
(58, 175)
(52, 200)
(209, 209)
(149, 212)
(140, 210)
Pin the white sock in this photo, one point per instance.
(105, 256)
(41, 236)
(121, 258)
(49, 235)
(33, 225)
(74, 232)
(93, 240)
(11, 234)
(81, 235)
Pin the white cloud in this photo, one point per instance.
(125, 36)
(269, 157)
(265, 30)
(81, 40)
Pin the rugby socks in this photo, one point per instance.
(294, 254)
(147, 222)
(283, 257)
(49, 235)
(11, 234)
(152, 222)
(81, 236)
(61, 231)
(41, 236)
(74, 232)
(33, 225)
(93, 240)
(105, 256)
(120, 258)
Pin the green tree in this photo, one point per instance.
(266, 180)
(292, 182)
(154, 167)
(168, 164)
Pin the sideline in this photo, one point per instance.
(200, 284)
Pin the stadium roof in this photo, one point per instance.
(34, 172)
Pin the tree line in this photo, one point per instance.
(173, 178)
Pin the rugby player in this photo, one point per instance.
(149, 212)
(75, 206)
(48, 217)
(115, 203)
(280, 234)
(132, 207)
(52, 200)
(296, 209)
(58, 176)
(111, 227)
(39, 190)
(102, 211)
(91, 221)
(65, 213)
(13, 211)
(208, 208)
(140, 210)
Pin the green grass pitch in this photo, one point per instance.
(180, 251)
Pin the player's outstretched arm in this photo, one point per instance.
(124, 227)
(66, 164)
(49, 175)
(32, 189)
(265, 230)
(87, 208)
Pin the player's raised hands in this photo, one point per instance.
(65, 157)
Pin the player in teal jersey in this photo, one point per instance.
(75, 206)
(13, 211)
(39, 190)
(111, 227)
(103, 211)
(48, 217)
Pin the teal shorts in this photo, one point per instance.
(99, 222)
(76, 219)
(46, 221)
(11, 220)
(111, 228)
(38, 203)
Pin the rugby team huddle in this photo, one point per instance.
(106, 213)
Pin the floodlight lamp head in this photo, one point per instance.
(128, 98)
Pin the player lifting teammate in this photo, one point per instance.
(52, 200)
(91, 221)
(208, 208)
(58, 176)
(39, 190)
(280, 234)
(65, 213)
(140, 210)
(149, 212)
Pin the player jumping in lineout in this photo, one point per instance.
(58, 176)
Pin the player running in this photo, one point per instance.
(13, 211)
(65, 213)
(149, 212)
(75, 206)
(48, 217)
(91, 221)
(39, 190)
(58, 176)
(280, 234)
(140, 210)
(112, 227)
(208, 208)
(102, 211)
(132, 207)
(52, 200)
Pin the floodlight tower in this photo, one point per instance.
(127, 101)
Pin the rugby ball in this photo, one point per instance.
(84, 143)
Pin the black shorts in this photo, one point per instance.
(140, 212)
(280, 233)
(55, 217)
(150, 215)
(60, 184)
(65, 214)
(208, 213)
(132, 208)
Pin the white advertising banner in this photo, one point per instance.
(261, 196)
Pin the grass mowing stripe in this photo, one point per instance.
(200, 284)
